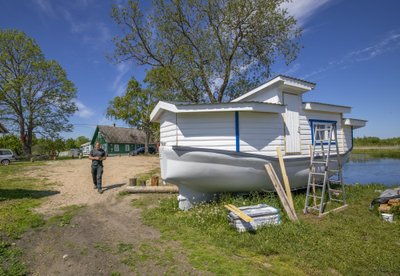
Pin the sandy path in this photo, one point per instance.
(107, 237)
(74, 181)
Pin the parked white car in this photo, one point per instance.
(6, 156)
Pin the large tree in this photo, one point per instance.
(81, 140)
(134, 108)
(206, 50)
(35, 95)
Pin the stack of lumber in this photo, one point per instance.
(384, 208)
(259, 215)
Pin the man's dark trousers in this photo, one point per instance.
(97, 173)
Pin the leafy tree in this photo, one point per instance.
(11, 142)
(50, 146)
(134, 108)
(81, 140)
(70, 143)
(206, 50)
(35, 94)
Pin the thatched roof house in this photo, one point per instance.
(118, 140)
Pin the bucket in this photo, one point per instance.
(387, 217)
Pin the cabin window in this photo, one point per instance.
(126, 147)
(321, 135)
(116, 147)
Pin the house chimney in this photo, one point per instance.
(113, 124)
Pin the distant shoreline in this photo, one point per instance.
(375, 147)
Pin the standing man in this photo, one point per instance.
(97, 155)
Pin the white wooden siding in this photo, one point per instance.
(269, 95)
(168, 129)
(207, 130)
(305, 128)
(260, 133)
(347, 138)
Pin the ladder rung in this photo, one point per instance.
(337, 200)
(335, 191)
(333, 170)
(314, 207)
(315, 196)
(319, 162)
(317, 173)
(317, 185)
(334, 181)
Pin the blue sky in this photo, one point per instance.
(351, 50)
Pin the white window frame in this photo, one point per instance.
(116, 147)
(127, 148)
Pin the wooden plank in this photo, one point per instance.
(285, 177)
(281, 193)
(239, 213)
(341, 208)
(152, 189)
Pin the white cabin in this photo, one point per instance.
(86, 148)
(269, 116)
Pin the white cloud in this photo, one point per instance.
(94, 33)
(389, 43)
(120, 83)
(293, 69)
(302, 10)
(45, 6)
(83, 110)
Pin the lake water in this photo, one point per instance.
(365, 170)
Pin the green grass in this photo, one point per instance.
(379, 153)
(68, 213)
(9, 260)
(18, 196)
(353, 242)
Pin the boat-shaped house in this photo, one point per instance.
(210, 148)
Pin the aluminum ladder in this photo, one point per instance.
(325, 170)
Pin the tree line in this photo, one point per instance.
(376, 141)
(42, 146)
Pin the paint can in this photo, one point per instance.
(387, 217)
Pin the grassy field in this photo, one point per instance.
(353, 242)
(379, 153)
(18, 196)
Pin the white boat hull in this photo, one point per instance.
(201, 174)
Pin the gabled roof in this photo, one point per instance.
(355, 123)
(219, 107)
(120, 135)
(324, 107)
(3, 129)
(289, 84)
